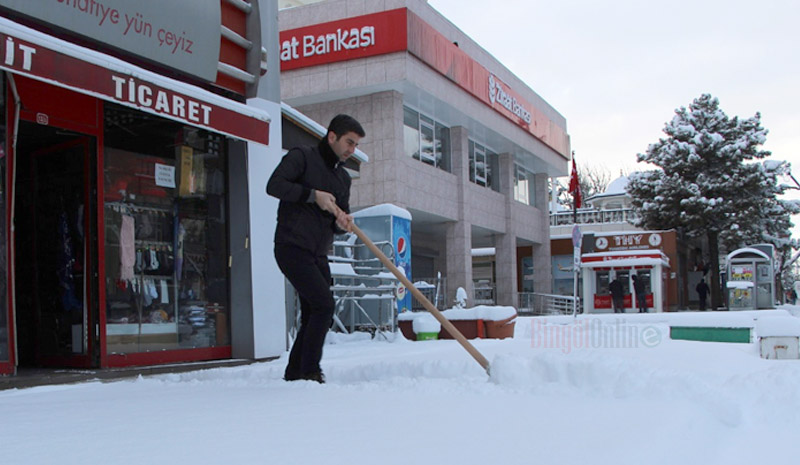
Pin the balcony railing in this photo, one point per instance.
(591, 216)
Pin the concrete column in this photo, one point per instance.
(542, 262)
(459, 233)
(459, 260)
(506, 270)
(506, 244)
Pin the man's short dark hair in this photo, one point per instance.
(342, 124)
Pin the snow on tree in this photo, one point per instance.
(711, 183)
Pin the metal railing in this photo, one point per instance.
(533, 303)
(485, 294)
(435, 290)
(591, 216)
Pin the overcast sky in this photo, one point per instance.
(617, 70)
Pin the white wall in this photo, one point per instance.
(269, 308)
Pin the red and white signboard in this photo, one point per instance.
(67, 65)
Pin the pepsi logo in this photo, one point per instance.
(401, 246)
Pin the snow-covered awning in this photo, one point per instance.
(624, 259)
(45, 58)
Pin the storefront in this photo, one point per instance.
(652, 256)
(119, 211)
(648, 266)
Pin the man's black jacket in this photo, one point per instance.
(300, 222)
(616, 288)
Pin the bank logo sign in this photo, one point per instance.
(322, 44)
(497, 94)
(347, 39)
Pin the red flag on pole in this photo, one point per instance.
(575, 185)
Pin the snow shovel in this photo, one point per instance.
(421, 297)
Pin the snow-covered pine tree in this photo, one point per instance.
(710, 183)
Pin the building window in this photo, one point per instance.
(425, 139)
(524, 187)
(165, 234)
(483, 166)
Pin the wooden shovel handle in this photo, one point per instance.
(424, 300)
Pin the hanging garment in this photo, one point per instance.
(66, 261)
(179, 251)
(154, 264)
(127, 248)
(164, 292)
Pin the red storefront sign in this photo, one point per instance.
(604, 301)
(359, 37)
(72, 68)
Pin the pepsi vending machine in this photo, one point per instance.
(390, 223)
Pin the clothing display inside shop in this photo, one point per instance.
(166, 254)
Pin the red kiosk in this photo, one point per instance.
(599, 269)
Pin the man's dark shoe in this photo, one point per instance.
(317, 376)
(291, 375)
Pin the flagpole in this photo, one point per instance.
(574, 189)
(574, 211)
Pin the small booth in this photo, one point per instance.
(599, 269)
(751, 277)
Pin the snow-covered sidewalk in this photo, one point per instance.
(625, 395)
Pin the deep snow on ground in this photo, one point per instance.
(599, 389)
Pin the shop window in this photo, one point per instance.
(601, 283)
(527, 274)
(644, 276)
(625, 278)
(411, 133)
(165, 234)
(426, 140)
(483, 166)
(3, 264)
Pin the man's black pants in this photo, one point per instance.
(311, 277)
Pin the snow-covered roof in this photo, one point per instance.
(624, 258)
(483, 252)
(746, 250)
(626, 263)
(615, 188)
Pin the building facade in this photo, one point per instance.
(453, 136)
